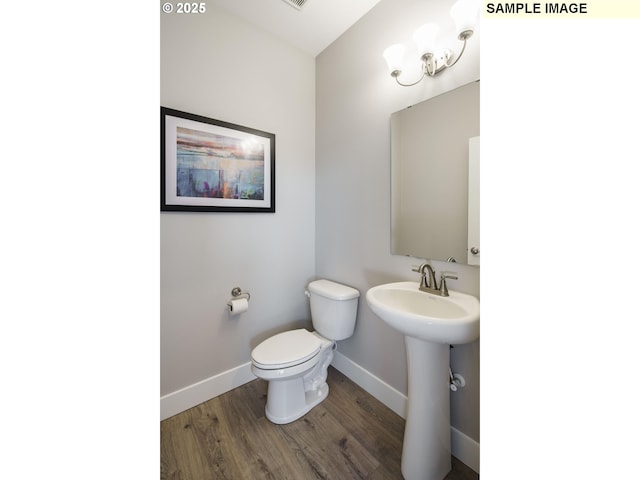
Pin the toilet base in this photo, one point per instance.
(293, 391)
(287, 401)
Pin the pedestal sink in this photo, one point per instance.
(430, 324)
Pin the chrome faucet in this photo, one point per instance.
(429, 284)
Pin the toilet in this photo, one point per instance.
(295, 363)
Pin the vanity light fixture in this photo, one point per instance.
(464, 14)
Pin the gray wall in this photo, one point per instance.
(355, 96)
(216, 65)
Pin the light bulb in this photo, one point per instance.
(394, 56)
(465, 16)
(425, 38)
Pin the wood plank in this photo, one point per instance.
(371, 422)
(350, 435)
(327, 447)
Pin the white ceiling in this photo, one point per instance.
(311, 29)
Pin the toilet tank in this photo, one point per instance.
(333, 309)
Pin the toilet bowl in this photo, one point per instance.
(295, 365)
(295, 362)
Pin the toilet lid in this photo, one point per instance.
(286, 349)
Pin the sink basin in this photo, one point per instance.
(452, 320)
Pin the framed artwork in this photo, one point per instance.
(208, 165)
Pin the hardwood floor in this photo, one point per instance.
(350, 435)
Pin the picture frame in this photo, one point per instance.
(209, 165)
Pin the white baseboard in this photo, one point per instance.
(463, 447)
(384, 392)
(192, 395)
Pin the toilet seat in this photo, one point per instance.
(286, 349)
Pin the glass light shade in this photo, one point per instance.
(394, 56)
(425, 38)
(465, 15)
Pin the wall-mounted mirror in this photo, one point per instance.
(430, 158)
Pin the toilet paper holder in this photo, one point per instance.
(237, 293)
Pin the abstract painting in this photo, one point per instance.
(209, 165)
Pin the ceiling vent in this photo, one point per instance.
(297, 4)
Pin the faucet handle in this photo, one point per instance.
(444, 291)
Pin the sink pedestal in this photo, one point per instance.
(430, 323)
(426, 450)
